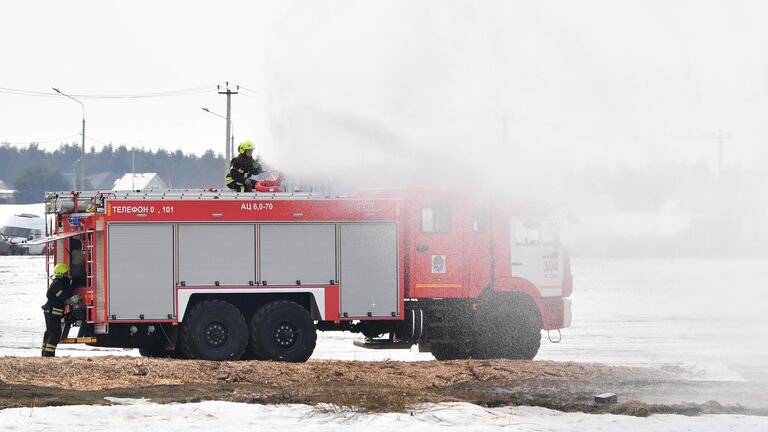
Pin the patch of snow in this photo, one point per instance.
(226, 416)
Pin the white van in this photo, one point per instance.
(23, 227)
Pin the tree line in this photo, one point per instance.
(31, 171)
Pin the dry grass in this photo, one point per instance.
(336, 387)
(99, 373)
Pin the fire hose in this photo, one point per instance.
(269, 185)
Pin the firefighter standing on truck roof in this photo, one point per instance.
(242, 167)
(60, 292)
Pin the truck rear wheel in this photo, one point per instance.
(509, 327)
(449, 351)
(282, 331)
(214, 330)
(154, 350)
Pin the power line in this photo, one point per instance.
(249, 90)
(61, 140)
(165, 93)
(98, 141)
(252, 93)
(40, 142)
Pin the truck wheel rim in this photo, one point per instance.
(285, 335)
(216, 334)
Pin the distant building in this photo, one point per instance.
(139, 182)
(6, 194)
(103, 180)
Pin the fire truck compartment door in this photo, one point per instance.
(217, 252)
(304, 252)
(369, 272)
(140, 271)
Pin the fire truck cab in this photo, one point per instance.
(221, 275)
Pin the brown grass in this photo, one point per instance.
(332, 386)
(99, 373)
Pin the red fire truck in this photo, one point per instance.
(217, 275)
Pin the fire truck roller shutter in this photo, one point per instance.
(213, 252)
(304, 252)
(140, 270)
(368, 283)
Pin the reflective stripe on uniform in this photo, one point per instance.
(58, 293)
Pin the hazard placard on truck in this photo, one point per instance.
(224, 276)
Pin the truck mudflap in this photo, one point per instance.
(555, 313)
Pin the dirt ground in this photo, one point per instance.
(344, 385)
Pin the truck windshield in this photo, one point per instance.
(12, 231)
(534, 232)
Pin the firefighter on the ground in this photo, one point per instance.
(242, 167)
(60, 293)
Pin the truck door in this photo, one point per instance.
(437, 257)
(537, 255)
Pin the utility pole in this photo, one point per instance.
(227, 139)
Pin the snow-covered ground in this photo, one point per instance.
(704, 318)
(229, 416)
(7, 210)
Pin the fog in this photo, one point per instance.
(641, 125)
(642, 121)
(638, 124)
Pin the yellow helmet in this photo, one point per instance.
(60, 269)
(245, 146)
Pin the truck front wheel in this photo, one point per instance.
(509, 327)
(282, 331)
(214, 330)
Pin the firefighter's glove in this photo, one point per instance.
(248, 181)
(75, 299)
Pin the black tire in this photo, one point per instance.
(213, 330)
(509, 326)
(154, 350)
(449, 351)
(282, 331)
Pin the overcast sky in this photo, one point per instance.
(560, 83)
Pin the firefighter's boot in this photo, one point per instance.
(49, 350)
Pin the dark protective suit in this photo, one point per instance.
(241, 168)
(58, 292)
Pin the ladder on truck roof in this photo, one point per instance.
(57, 202)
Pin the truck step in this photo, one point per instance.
(381, 344)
